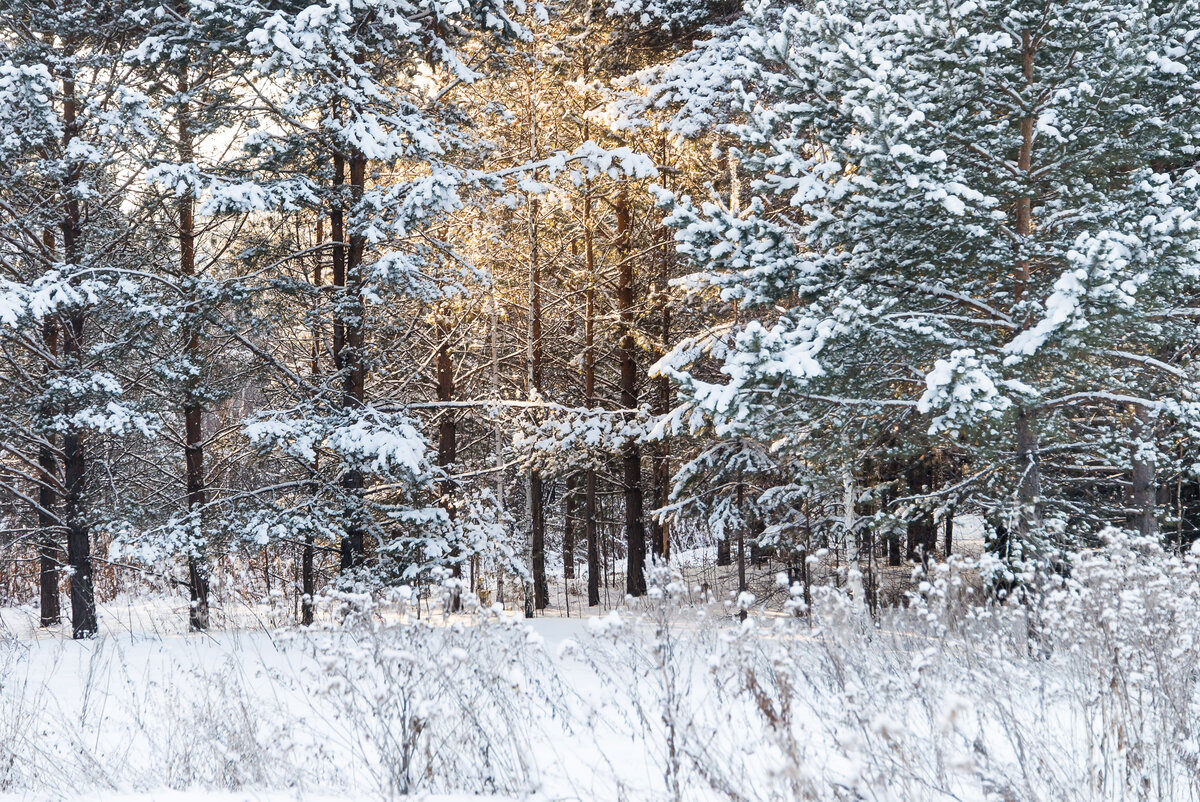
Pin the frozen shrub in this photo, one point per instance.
(451, 707)
(213, 729)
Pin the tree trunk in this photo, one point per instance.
(49, 549)
(1029, 485)
(758, 552)
(635, 527)
(949, 546)
(888, 473)
(198, 585)
(1145, 521)
(307, 555)
(660, 531)
(948, 473)
(893, 548)
(589, 392)
(593, 537)
(741, 568)
(193, 412)
(570, 505)
(308, 585)
(922, 532)
(352, 360)
(497, 433)
(537, 513)
(447, 435)
(79, 546)
(447, 426)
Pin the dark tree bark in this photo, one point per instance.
(948, 473)
(49, 549)
(447, 446)
(589, 392)
(193, 411)
(889, 475)
(308, 583)
(537, 512)
(79, 545)
(949, 533)
(593, 537)
(758, 552)
(537, 515)
(1029, 483)
(724, 555)
(1142, 479)
(570, 510)
(922, 532)
(893, 549)
(635, 526)
(348, 345)
(447, 426)
(741, 566)
(660, 531)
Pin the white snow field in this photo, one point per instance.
(1085, 691)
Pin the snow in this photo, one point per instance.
(932, 702)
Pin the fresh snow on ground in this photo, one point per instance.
(1082, 689)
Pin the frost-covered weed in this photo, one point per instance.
(1084, 690)
(1082, 687)
(644, 660)
(210, 728)
(17, 716)
(1126, 630)
(429, 708)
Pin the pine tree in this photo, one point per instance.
(978, 213)
(75, 256)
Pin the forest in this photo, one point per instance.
(600, 399)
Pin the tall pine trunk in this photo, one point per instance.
(447, 445)
(497, 433)
(635, 526)
(660, 530)
(79, 545)
(193, 411)
(589, 391)
(349, 341)
(49, 549)
(537, 512)
(570, 505)
(308, 584)
(1029, 485)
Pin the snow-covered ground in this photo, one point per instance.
(1088, 692)
(147, 711)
